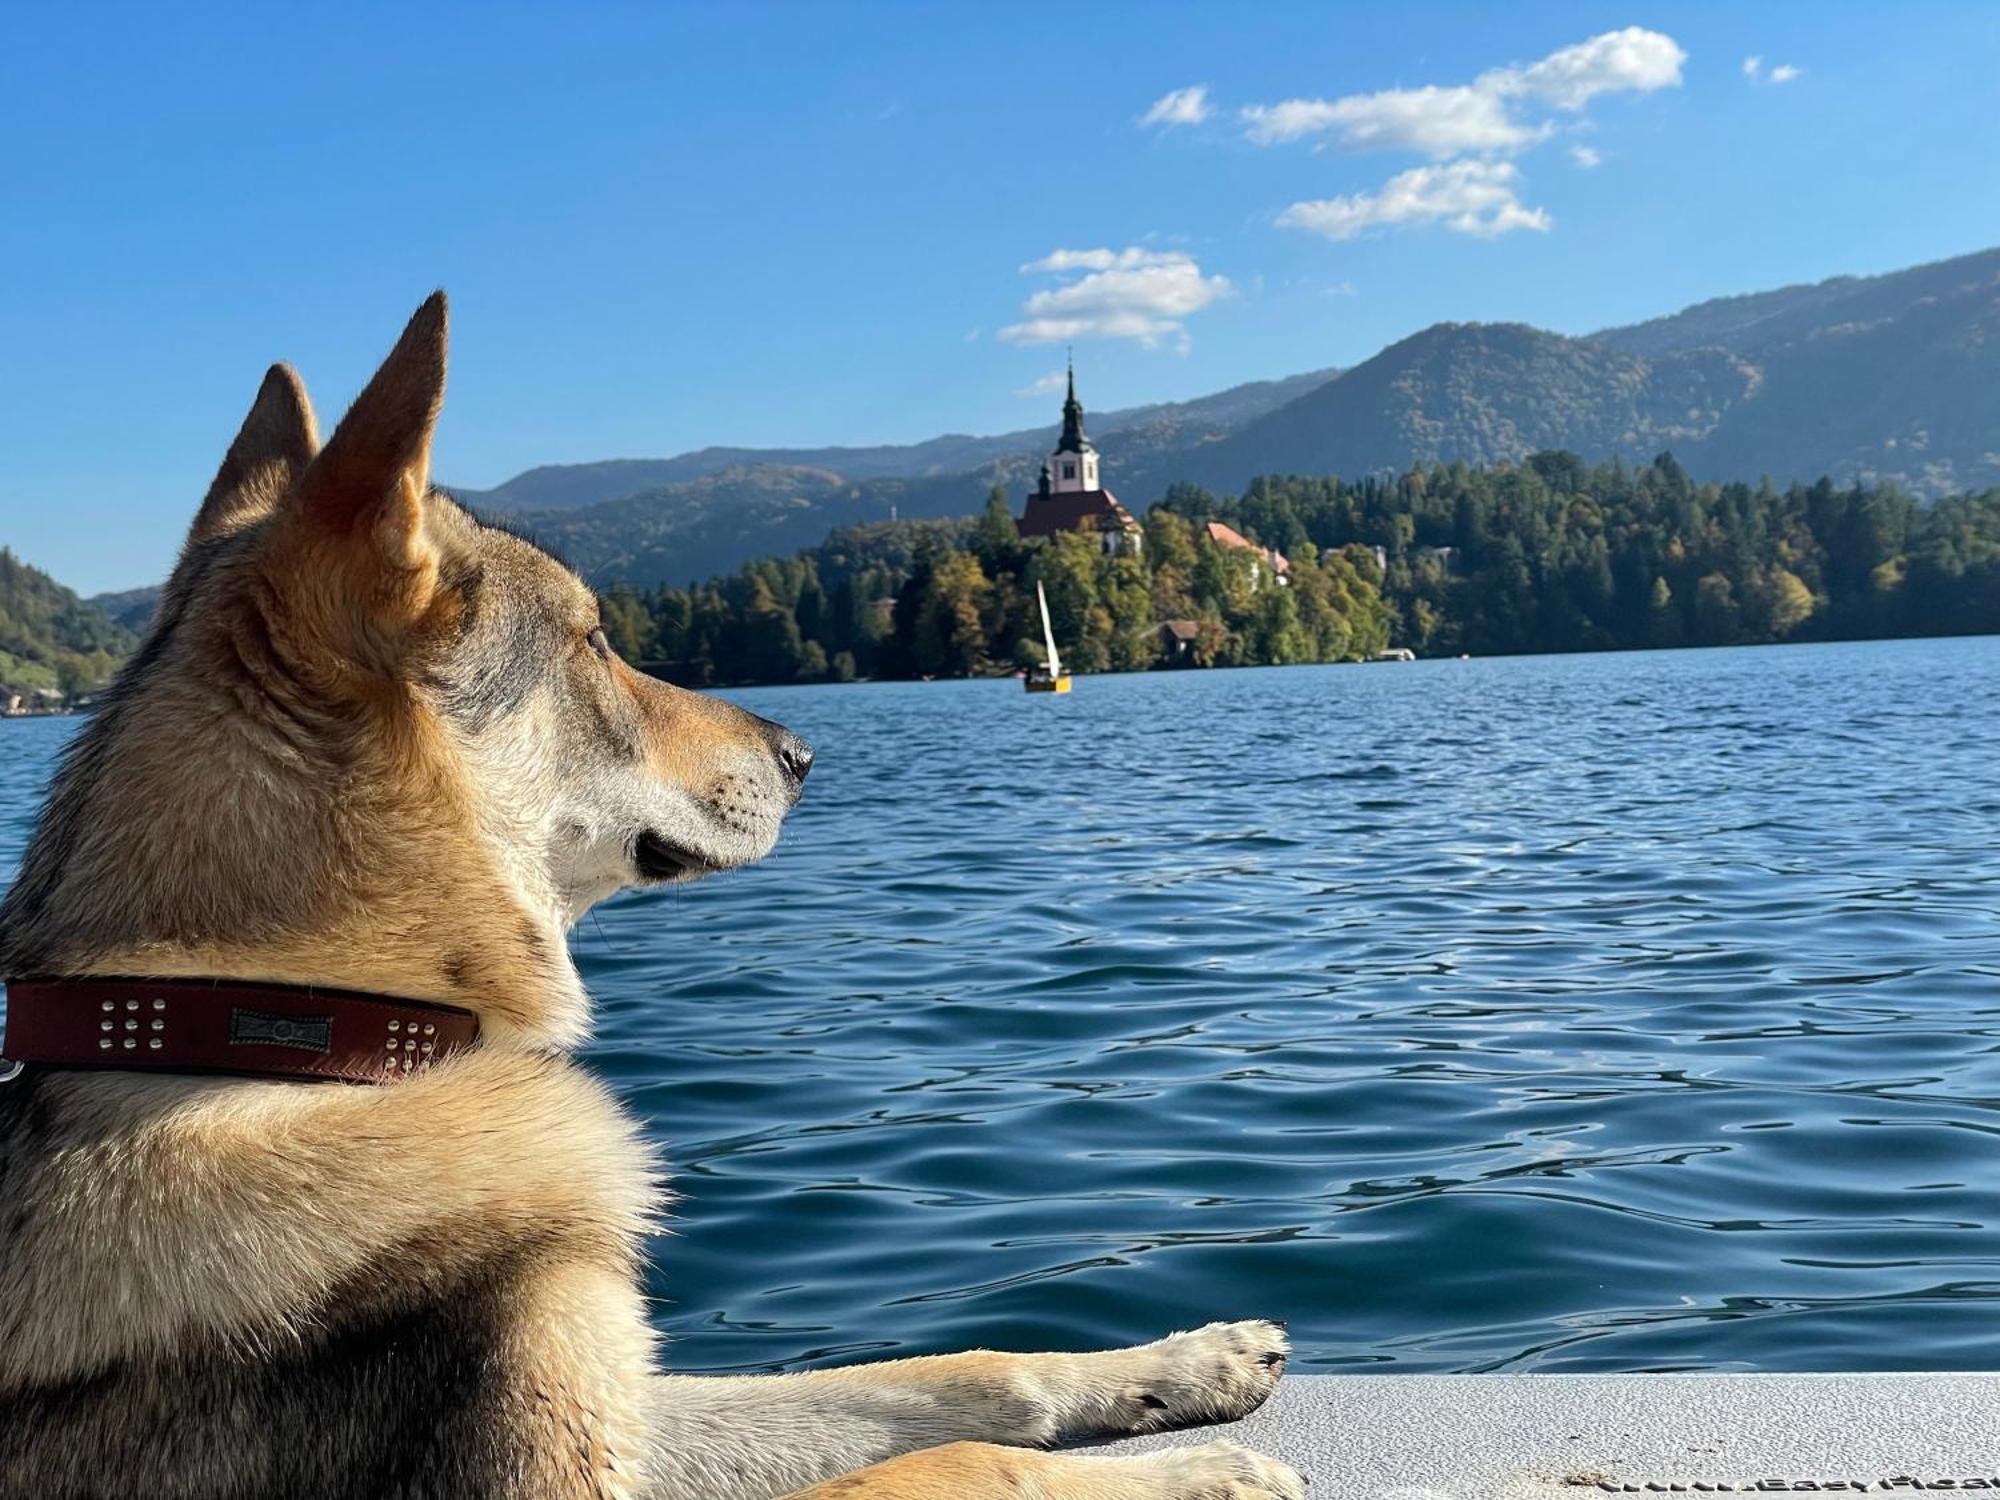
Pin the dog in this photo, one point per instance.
(378, 754)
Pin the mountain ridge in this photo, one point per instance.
(570, 486)
(1670, 399)
(1479, 394)
(1863, 379)
(1746, 320)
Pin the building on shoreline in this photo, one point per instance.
(1071, 495)
(1261, 557)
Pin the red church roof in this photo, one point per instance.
(1075, 510)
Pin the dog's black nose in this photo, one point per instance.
(794, 754)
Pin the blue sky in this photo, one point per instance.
(663, 227)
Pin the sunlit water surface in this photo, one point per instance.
(1628, 1012)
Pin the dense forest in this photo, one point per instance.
(50, 640)
(1549, 555)
(1558, 555)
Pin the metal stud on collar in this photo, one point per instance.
(402, 1052)
(131, 1043)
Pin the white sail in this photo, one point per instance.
(1048, 634)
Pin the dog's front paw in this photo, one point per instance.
(1212, 1374)
(1224, 1471)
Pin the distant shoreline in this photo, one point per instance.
(726, 687)
(1859, 640)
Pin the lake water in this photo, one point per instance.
(1634, 1012)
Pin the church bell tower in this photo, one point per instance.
(1072, 467)
(1070, 494)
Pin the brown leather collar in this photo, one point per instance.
(222, 1026)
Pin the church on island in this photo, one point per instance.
(1071, 497)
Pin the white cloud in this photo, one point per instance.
(1632, 61)
(1059, 261)
(1755, 71)
(1486, 115)
(1466, 129)
(1188, 106)
(1439, 122)
(1467, 197)
(1044, 385)
(1122, 294)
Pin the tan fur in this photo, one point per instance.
(981, 1471)
(375, 744)
(278, 440)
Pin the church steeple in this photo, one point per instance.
(1070, 494)
(1072, 439)
(1074, 463)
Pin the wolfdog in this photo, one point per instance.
(302, 1194)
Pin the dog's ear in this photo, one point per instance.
(366, 488)
(277, 441)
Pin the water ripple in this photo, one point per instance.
(1617, 1013)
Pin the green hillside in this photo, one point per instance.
(50, 640)
(1479, 394)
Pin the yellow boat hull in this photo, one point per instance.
(1047, 684)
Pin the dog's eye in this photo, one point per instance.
(598, 642)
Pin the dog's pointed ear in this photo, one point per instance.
(368, 483)
(276, 443)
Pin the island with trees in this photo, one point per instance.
(1548, 555)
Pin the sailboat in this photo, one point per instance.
(1050, 678)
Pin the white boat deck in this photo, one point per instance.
(1422, 1437)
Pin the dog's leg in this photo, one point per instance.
(981, 1471)
(751, 1437)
